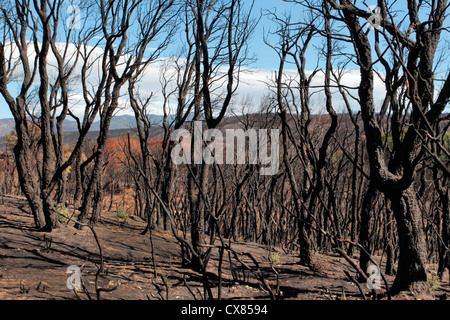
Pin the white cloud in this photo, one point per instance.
(253, 82)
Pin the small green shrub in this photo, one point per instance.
(122, 214)
(63, 213)
(274, 258)
(166, 278)
(433, 281)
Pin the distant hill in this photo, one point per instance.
(117, 123)
(155, 134)
(121, 125)
(129, 122)
(6, 126)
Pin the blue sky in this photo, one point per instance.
(267, 59)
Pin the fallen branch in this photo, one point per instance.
(188, 287)
(388, 292)
(351, 279)
(101, 269)
(258, 273)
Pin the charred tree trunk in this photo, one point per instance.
(27, 177)
(93, 191)
(44, 216)
(411, 272)
(444, 253)
(390, 249)
(367, 208)
(394, 177)
(198, 220)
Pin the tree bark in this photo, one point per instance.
(368, 204)
(28, 184)
(390, 250)
(44, 217)
(411, 271)
(444, 253)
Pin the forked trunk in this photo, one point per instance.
(44, 217)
